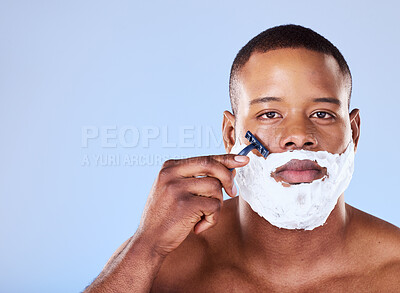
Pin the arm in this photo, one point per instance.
(132, 268)
(187, 195)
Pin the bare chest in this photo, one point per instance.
(233, 280)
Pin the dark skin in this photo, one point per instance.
(189, 240)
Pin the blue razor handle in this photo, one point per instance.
(254, 144)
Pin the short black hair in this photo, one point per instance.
(280, 37)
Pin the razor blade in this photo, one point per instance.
(254, 144)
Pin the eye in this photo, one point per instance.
(321, 115)
(270, 115)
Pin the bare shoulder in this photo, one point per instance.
(377, 246)
(388, 277)
(183, 268)
(375, 231)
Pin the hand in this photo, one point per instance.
(186, 195)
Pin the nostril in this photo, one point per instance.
(290, 143)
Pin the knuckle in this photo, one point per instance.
(171, 188)
(224, 159)
(215, 205)
(164, 172)
(215, 183)
(182, 201)
(207, 184)
(168, 163)
(206, 160)
(226, 177)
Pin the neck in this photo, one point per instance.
(266, 244)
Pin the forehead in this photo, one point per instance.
(292, 72)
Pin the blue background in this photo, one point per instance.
(67, 65)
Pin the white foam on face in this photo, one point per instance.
(301, 206)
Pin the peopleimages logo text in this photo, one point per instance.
(128, 136)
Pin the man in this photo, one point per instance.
(291, 88)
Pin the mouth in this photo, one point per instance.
(299, 171)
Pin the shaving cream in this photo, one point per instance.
(301, 206)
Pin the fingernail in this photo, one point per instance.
(241, 159)
(234, 189)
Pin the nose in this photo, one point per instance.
(298, 135)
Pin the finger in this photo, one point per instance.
(209, 208)
(232, 160)
(205, 186)
(228, 160)
(206, 223)
(209, 166)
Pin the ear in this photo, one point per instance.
(355, 126)
(228, 130)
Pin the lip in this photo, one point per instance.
(299, 171)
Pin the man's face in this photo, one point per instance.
(294, 99)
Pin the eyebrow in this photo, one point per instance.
(265, 100)
(327, 100)
(275, 99)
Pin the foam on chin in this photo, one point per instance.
(301, 206)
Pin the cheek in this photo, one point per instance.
(242, 125)
(335, 138)
(346, 137)
(268, 136)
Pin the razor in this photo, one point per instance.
(254, 144)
